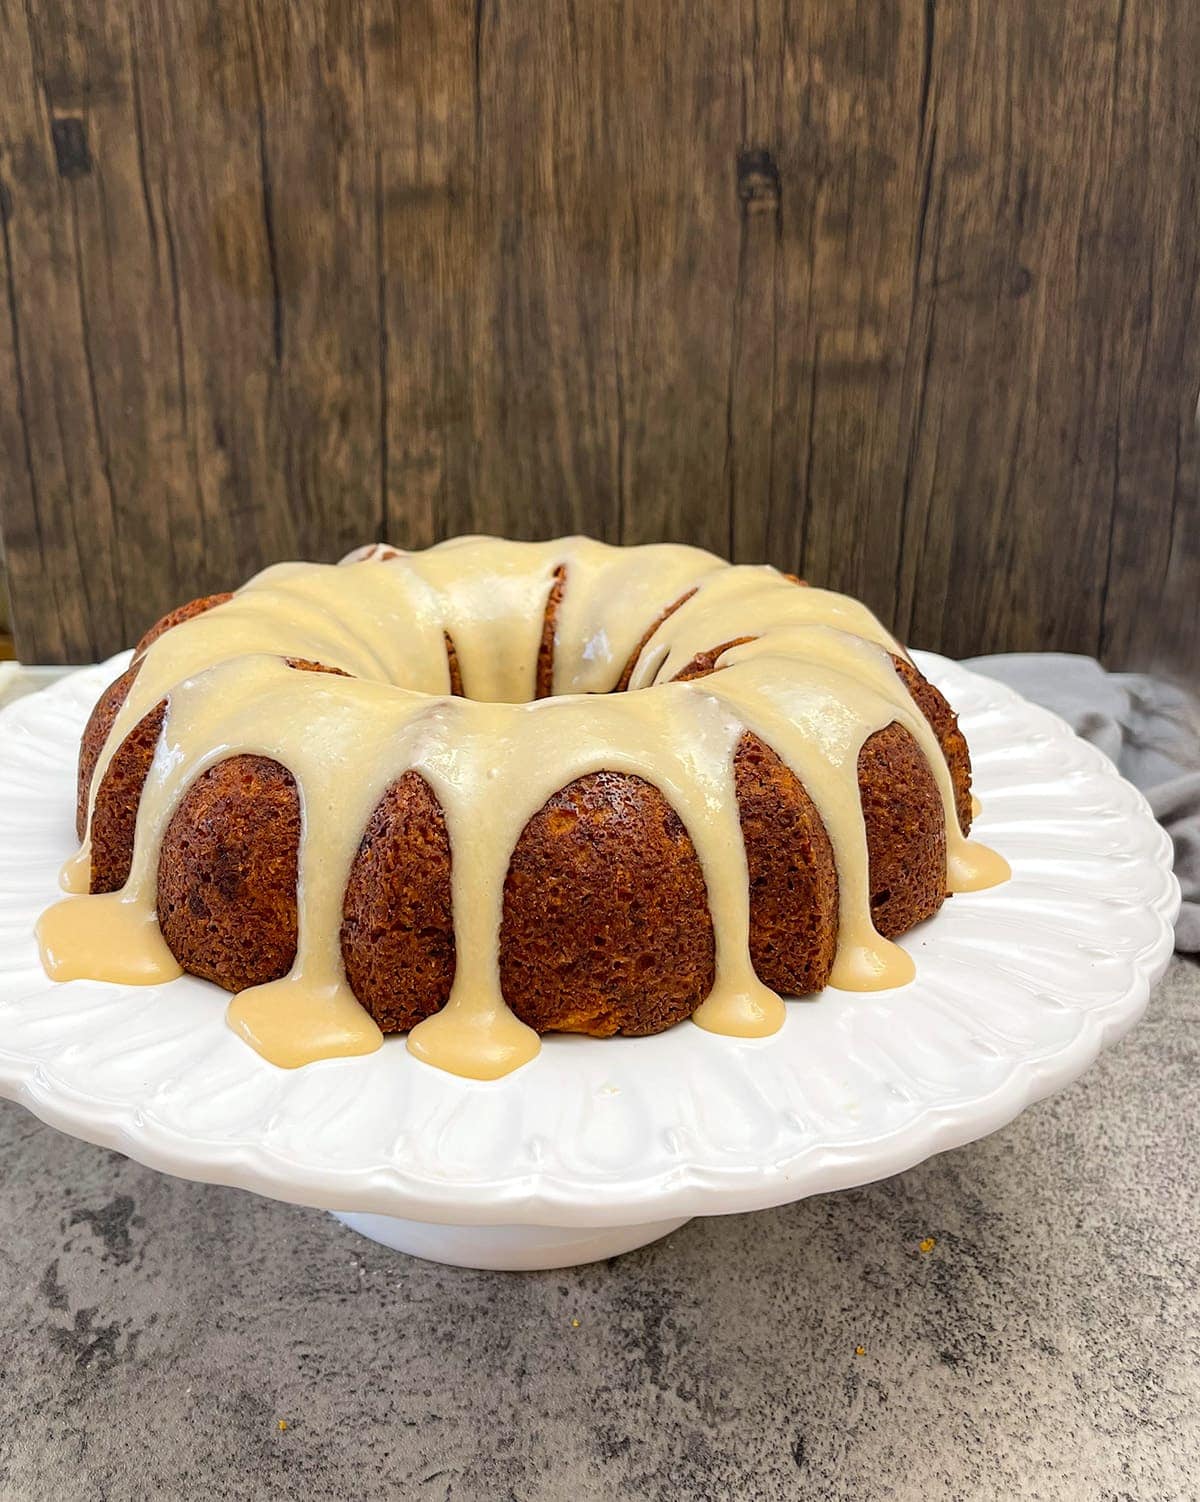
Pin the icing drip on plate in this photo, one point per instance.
(815, 680)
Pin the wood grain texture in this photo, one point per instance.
(900, 296)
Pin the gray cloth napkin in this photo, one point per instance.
(1151, 729)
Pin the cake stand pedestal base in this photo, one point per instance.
(505, 1248)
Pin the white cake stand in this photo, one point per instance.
(599, 1147)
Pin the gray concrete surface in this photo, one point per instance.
(155, 1332)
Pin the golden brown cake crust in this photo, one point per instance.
(944, 723)
(706, 662)
(397, 924)
(227, 869)
(114, 818)
(793, 880)
(95, 733)
(942, 719)
(227, 874)
(606, 926)
(906, 831)
(544, 684)
(456, 683)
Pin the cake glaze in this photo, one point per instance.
(503, 684)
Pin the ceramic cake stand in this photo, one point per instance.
(598, 1147)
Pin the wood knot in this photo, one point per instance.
(758, 181)
(71, 146)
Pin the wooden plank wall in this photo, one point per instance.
(898, 295)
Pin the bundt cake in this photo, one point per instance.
(496, 789)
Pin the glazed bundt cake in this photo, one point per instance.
(497, 789)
